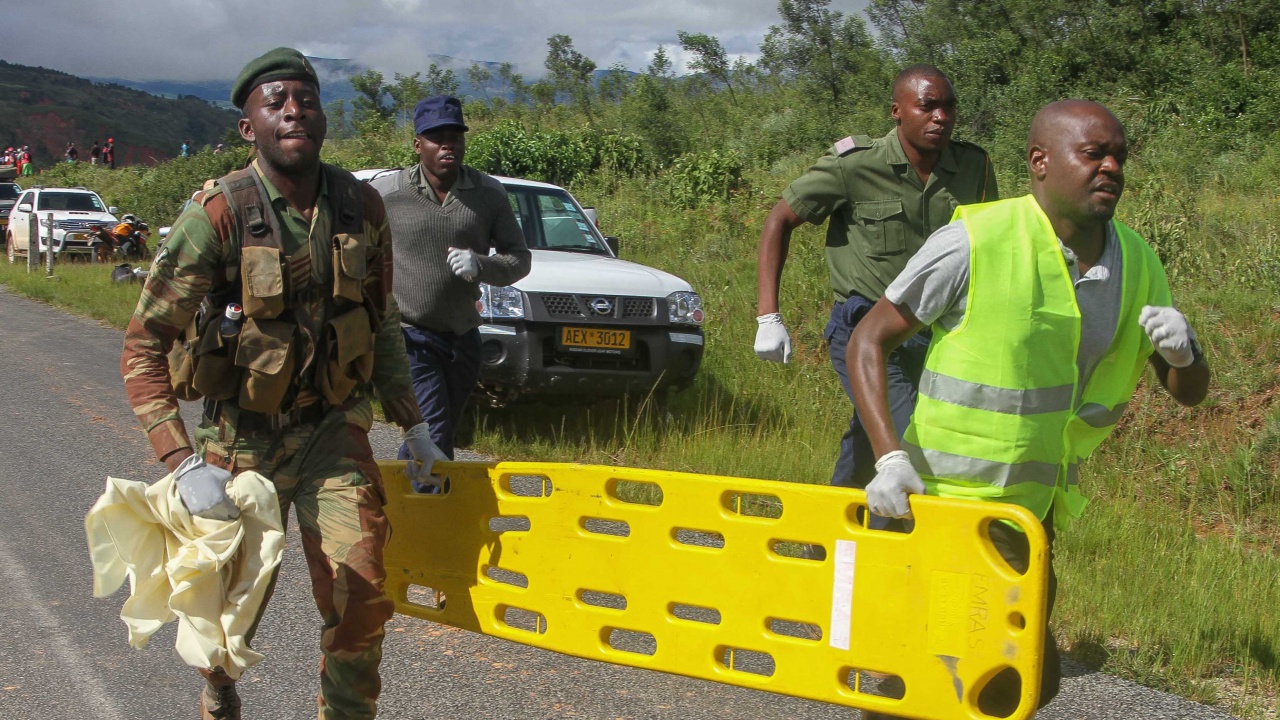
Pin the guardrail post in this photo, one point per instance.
(48, 272)
(33, 241)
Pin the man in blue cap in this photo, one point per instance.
(446, 217)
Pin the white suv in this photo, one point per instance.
(73, 210)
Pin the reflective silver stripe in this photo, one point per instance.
(996, 399)
(939, 464)
(1098, 416)
(1073, 474)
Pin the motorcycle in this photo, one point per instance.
(126, 241)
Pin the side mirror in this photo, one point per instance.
(591, 215)
(614, 244)
(164, 231)
(24, 207)
(113, 209)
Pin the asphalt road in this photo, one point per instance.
(64, 655)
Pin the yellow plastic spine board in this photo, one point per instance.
(761, 584)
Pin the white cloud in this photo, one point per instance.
(212, 39)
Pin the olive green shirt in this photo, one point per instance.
(465, 181)
(302, 239)
(880, 212)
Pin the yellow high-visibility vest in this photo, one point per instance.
(999, 415)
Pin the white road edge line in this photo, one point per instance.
(80, 672)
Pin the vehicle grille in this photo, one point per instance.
(562, 306)
(74, 224)
(565, 306)
(638, 307)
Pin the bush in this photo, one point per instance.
(547, 155)
(554, 156)
(164, 189)
(701, 178)
(620, 153)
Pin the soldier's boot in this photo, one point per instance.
(219, 699)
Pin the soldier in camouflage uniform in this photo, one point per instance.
(309, 433)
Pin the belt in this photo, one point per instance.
(250, 421)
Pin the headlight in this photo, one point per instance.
(44, 222)
(684, 308)
(500, 303)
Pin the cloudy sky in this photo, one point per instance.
(212, 39)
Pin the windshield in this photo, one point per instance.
(552, 221)
(79, 201)
(9, 191)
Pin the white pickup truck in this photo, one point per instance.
(75, 211)
(583, 323)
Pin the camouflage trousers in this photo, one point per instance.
(327, 473)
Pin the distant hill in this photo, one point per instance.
(334, 75)
(46, 109)
(335, 81)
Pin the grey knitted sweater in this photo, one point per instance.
(476, 215)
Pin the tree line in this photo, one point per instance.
(1203, 64)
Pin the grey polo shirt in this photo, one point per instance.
(934, 286)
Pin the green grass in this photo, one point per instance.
(1171, 579)
(80, 287)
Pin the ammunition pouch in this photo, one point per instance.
(350, 267)
(349, 339)
(213, 362)
(262, 282)
(201, 360)
(182, 364)
(265, 354)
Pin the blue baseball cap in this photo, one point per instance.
(438, 111)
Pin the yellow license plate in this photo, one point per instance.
(595, 338)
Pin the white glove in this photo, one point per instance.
(772, 341)
(425, 454)
(895, 479)
(464, 263)
(1170, 333)
(203, 489)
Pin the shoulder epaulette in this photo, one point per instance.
(968, 145)
(852, 143)
(210, 190)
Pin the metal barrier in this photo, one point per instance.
(767, 585)
(49, 253)
(33, 242)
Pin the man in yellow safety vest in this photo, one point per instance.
(1045, 312)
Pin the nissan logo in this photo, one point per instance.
(601, 306)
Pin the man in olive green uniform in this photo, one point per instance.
(883, 197)
(307, 251)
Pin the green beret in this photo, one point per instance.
(279, 64)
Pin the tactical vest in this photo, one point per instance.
(275, 357)
(1000, 414)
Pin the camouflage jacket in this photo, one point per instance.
(194, 260)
